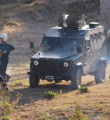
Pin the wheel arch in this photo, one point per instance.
(80, 66)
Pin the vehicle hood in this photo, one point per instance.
(54, 54)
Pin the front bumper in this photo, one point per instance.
(62, 76)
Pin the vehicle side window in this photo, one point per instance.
(92, 38)
(94, 42)
(100, 34)
(87, 44)
(96, 36)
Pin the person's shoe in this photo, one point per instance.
(7, 77)
(1, 79)
(4, 86)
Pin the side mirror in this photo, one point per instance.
(31, 44)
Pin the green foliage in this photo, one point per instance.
(18, 83)
(45, 117)
(78, 115)
(50, 94)
(5, 118)
(7, 108)
(84, 90)
(18, 1)
(5, 104)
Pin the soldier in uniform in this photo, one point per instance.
(5, 50)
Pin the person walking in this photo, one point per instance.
(5, 50)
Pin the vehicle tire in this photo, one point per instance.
(76, 79)
(34, 81)
(100, 74)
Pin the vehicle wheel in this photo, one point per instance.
(100, 74)
(76, 79)
(34, 81)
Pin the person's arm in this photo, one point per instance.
(9, 48)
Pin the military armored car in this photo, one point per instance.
(70, 53)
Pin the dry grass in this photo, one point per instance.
(95, 104)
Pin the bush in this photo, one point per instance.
(7, 108)
(84, 90)
(18, 83)
(5, 118)
(45, 117)
(5, 104)
(50, 94)
(78, 115)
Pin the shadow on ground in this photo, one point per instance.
(29, 95)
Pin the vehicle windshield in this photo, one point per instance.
(70, 43)
(59, 43)
(50, 42)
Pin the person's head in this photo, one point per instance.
(3, 37)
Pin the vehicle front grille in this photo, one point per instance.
(50, 67)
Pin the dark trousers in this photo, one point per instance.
(3, 67)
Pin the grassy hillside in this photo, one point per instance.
(28, 22)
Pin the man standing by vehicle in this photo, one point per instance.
(5, 50)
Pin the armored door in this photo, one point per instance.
(88, 57)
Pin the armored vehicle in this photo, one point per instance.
(70, 53)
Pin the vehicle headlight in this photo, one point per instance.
(36, 62)
(66, 64)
